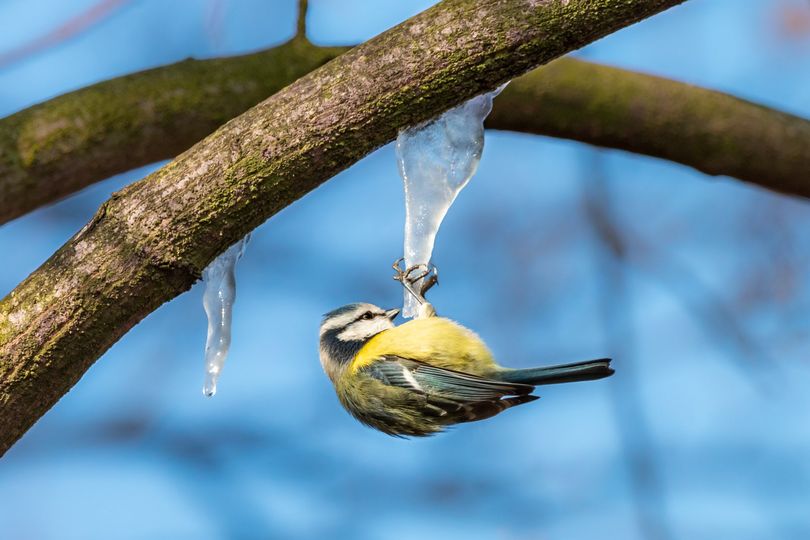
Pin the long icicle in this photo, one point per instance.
(436, 160)
(218, 300)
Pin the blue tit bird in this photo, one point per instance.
(420, 377)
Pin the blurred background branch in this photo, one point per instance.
(71, 28)
(616, 307)
(301, 21)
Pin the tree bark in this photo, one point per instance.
(58, 147)
(150, 241)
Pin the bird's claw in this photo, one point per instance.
(411, 277)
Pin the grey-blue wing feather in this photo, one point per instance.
(443, 383)
(446, 396)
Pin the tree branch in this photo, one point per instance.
(710, 131)
(150, 241)
(58, 147)
(71, 28)
(301, 21)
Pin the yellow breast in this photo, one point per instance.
(434, 340)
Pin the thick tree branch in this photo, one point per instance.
(53, 149)
(150, 241)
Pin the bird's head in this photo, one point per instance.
(345, 330)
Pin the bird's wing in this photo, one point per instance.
(442, 383)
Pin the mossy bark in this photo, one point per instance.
(150, 241)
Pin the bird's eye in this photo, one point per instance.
(367, 316)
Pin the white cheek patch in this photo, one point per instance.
(362, 329)
(338, 322)
(355, 332)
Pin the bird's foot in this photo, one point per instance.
(417, 279)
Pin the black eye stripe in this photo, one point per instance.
(366, 315)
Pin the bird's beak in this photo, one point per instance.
(392, 313)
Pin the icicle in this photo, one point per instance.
(436, 160)
(218, 299)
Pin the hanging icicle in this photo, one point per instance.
(218, 299)
(436, 160)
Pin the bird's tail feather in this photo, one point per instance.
(578, 371)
